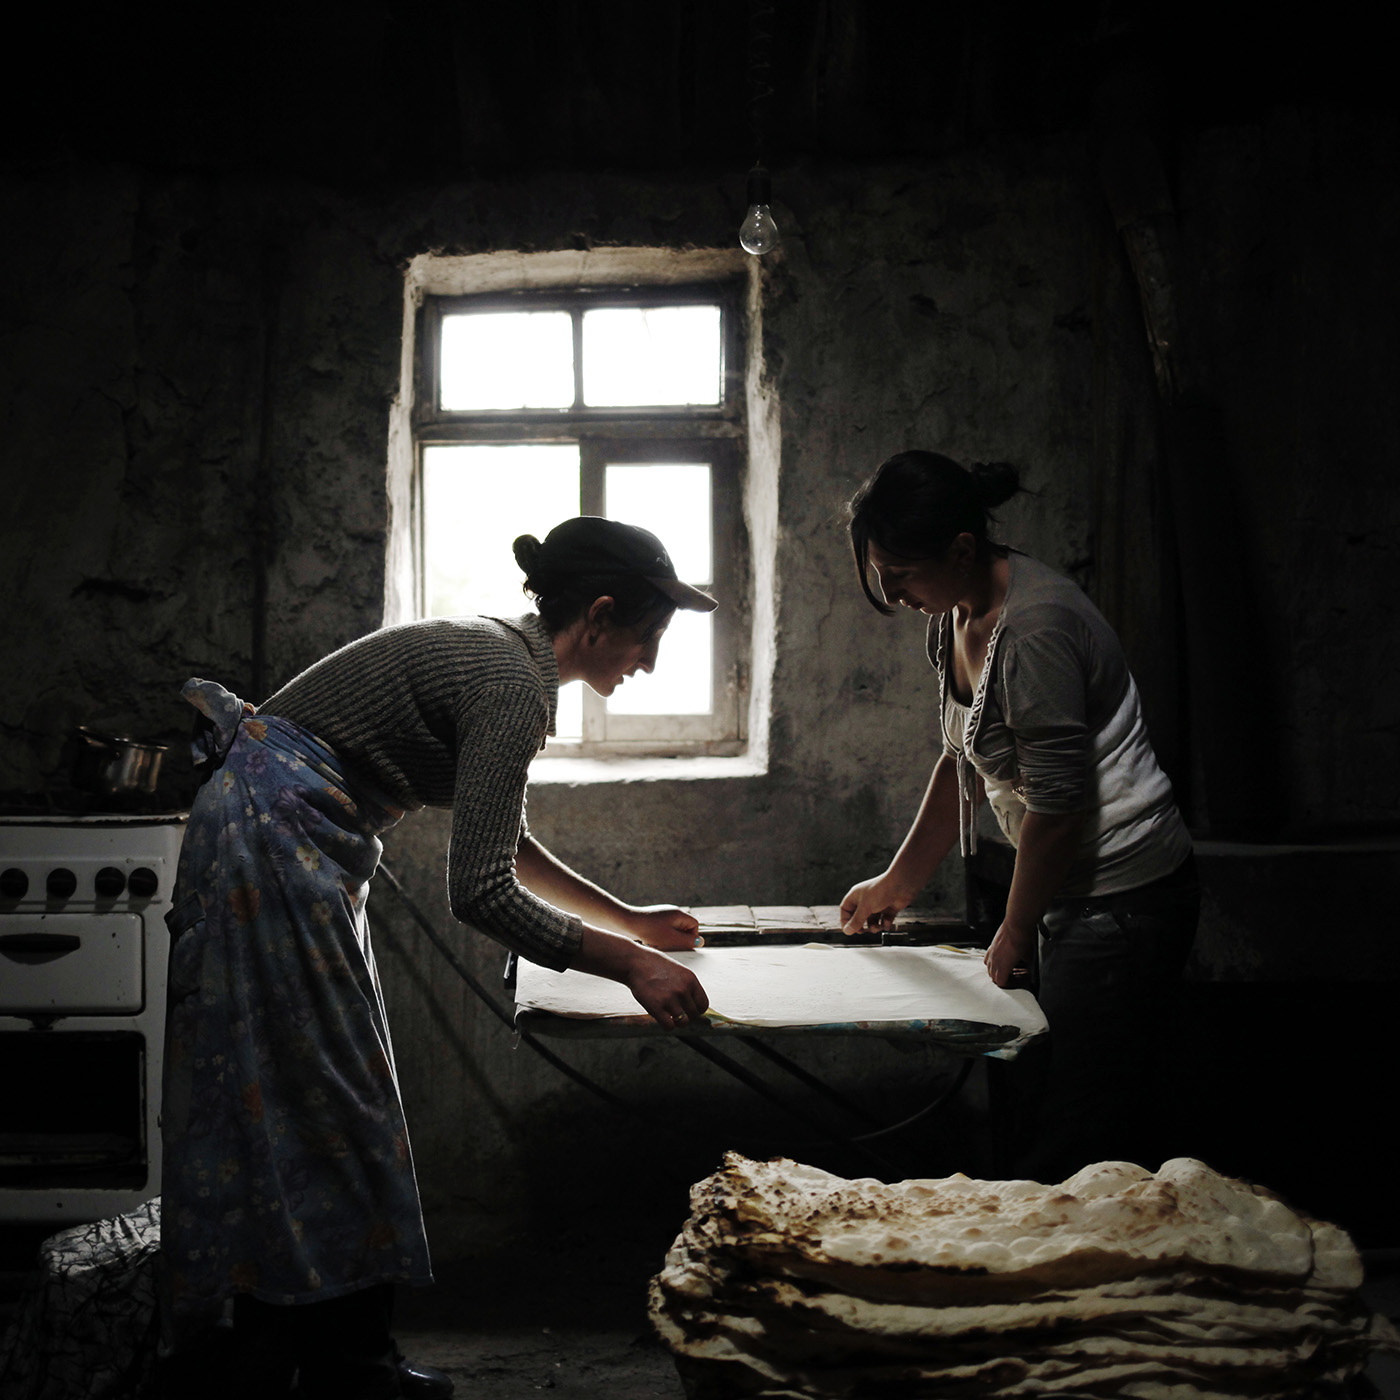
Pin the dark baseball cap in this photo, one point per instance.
(591, 544)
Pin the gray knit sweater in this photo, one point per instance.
(449, 712)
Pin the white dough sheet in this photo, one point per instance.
(933, 993)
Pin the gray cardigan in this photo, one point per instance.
(448, 712)
(1056, 726)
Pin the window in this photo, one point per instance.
(532, 407)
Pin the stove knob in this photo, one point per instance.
(61, 883)
(143, 882)
(109, 882)
(14, 884)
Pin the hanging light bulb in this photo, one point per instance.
(758, 233)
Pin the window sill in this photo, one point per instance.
(702, 767)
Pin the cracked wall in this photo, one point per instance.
(197, 378)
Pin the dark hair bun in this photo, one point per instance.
(994, 482)
(527, 553)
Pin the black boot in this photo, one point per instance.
(417, 1382)
(345, 1350)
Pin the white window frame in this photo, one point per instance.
(713, 433)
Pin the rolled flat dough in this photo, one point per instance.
(810, 986)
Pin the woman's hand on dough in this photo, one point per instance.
(872, 904)
(665, 926)
(669, 993)
(1008, 959)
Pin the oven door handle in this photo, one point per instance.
(38, 946)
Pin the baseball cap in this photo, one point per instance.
(592, 544)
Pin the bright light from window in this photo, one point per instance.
(672, 500)
(511, 359)
(476, 500)
(651, 355)
(680, 685)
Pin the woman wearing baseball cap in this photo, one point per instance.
(288, 1179)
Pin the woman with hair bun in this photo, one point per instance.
(1039, 714)
(288, 1179)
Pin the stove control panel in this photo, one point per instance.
(103, 866)
(99, 881)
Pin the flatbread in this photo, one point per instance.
(1112, 1220)
(790, 1281)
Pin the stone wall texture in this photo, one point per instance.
(196, 380)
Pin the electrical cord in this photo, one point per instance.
(856, 1142)
(485, 997)
(958, 1081)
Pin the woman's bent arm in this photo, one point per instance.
(672, 994)
(545, 875)
(1045, 850)
(874, 903)
(548, 877)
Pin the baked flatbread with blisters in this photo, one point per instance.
(789, 1281)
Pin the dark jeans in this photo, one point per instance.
(340, 1349)
(1109, 977)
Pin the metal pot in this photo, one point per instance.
(111, 766)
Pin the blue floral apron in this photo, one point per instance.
(287, 1172)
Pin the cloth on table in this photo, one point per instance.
(87, 1325)
(287, 1169)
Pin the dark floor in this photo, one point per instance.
(569, 1316)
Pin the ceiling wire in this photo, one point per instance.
(760, 67)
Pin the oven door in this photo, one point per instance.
(74, 1110)
(71, 963)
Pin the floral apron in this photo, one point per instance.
(287, 1172)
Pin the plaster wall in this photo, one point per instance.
(197, 382)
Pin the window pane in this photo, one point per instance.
(568, 723)
(476, 500)
(672, 500)
(680, 685)
(510, 359)
(651, 355)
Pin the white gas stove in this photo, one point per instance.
(83, 950)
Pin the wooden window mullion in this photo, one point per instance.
(591, 456)
(577, 315)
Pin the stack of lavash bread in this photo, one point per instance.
(790, 1282)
